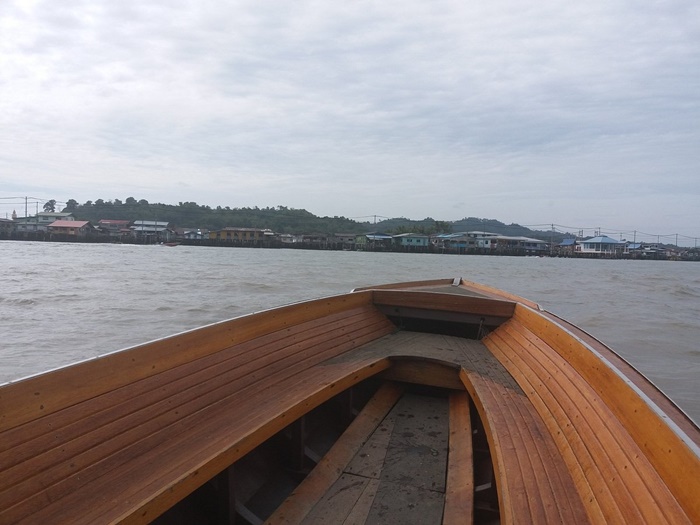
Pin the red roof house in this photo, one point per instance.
(72, 228)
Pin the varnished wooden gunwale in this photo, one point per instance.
(618, 478)
(103, 451)
(155, 409)
(669, 449)
(665, 405)
(193, 378)
(26, 400)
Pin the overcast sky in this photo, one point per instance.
(581, 114)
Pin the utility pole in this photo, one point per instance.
(551, 241)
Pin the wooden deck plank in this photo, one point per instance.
(410, 465)
(360, 512)
(337, 503)
(424, 372)
(459, 485)
(331, 466)
(559, 502)
(531, 484)
(369, 460)
(397, 475)
(405, 504)
(485, 368)
(552, 479)
(417, 451)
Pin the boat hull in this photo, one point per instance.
(523, 416)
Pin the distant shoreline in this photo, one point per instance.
(275, 244)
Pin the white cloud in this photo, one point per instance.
(444, 108)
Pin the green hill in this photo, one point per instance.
(283, 220)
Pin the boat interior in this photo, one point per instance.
(430, 402)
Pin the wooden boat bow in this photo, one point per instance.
(431, 402)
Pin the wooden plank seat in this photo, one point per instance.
(573, 394)
(534, 484)
(131, 450)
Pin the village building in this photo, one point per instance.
(373, 241)
(519, 244)
(289, 239)
(602, 245)
(567, 247)
(71, 229)
(344, 240)
(40, 222)
(191, 234)
(488, 242)
(7, 226)
(115, 228)
(412, 240)
(238, 235)
(151, 232)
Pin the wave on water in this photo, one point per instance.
(163, 308)
(251, 287)
(685, 291)
(18, 301)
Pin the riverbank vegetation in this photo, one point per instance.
(282, 219)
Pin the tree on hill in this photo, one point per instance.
(50, 206)
(190, 214)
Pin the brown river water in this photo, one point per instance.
(62, 303)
